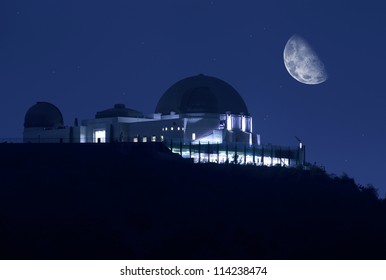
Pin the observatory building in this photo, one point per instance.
(200, 117)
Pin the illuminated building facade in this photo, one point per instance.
(199, 117)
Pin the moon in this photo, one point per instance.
(302, 63)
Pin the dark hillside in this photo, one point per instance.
(139, 201)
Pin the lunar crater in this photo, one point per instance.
(302, 63)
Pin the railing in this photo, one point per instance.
(237, 153)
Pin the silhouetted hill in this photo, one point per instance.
(139, 201)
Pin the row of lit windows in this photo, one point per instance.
(154, 138)
(172, 128)
(146, 139)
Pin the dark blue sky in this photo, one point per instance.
(85, 56)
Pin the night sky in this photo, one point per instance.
(85, 56)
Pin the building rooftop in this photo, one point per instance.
(119, 110)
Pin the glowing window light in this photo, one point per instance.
(243, 124)
(82, 138)
(135, 139)
(99, 136)
(178, 128)
(153, 138)
(144, 139)
(171, 128)
(229, 122)
(162, 138)
(166, 129)
(193, 136)
(163, 129)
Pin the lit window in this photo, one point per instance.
(144, 139)
(99, 136)
(243, 123)
(162, 138)
(229, 122)
(166, 129)
(163, 129)
(182, 128)
(193, 136)
(171, 128)
(135, 139)
(178, 128)
(153, 138)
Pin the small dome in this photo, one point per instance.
(201, 94)
(119, 110)
(43, 114)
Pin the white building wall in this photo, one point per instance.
(204, 128)
(42, 135)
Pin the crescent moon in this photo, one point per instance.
(302, 63)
